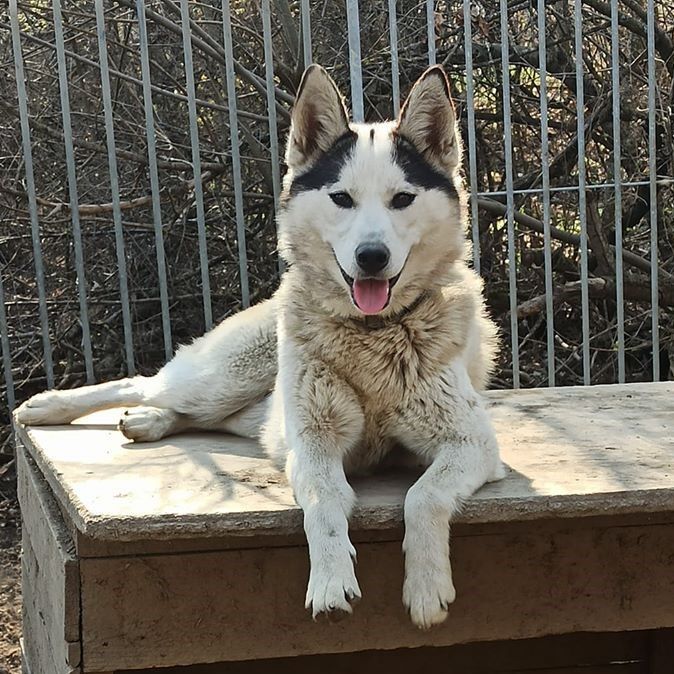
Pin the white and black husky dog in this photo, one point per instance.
(377, 338)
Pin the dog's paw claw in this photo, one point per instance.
(336, 615)
(332, 591)
(352, 597)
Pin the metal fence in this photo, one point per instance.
(142, 162)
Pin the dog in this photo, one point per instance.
(377, 338)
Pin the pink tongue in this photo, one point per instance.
(370, 295)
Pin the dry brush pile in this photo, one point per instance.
(330, 48)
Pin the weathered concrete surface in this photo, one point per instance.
(571, 452)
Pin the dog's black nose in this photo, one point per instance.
(372, 257)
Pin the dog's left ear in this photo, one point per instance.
(428, 121)
(319, 118)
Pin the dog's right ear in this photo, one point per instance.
(319, 117)
(428, 120)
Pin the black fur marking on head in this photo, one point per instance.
(326, 169)
(417, 170)
(372, 136)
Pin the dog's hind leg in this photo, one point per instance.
(61, 407)
(208, 381)
(223, 372)
(148, 424)
(248, 422)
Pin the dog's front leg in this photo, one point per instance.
(466, 456)
(321, 489)
(430, 503)
(322, 421)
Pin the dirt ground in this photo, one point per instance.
(10, 576)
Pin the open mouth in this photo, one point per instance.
(370, 295)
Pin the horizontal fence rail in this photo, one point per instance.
(142, 164)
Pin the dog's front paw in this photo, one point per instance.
(333, 588)
(428, 591)
(50, 407)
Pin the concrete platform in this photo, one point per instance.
(190, 550)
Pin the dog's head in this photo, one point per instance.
(373, 214)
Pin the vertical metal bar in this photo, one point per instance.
(545, 169)
(430, 30)
(512, 260)
(114, 187)
(271, 100)
(472, 152)
(395, 68)
(196, 162)
(305, 12)
(72, 190)
(30, 188)
(653, 189)
(154, 177)
(236, 159)
(615, 82)
(355, 70)
(6, 358)
(271, 107)
(582, 204)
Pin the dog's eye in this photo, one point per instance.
(342, 199)
(402, 200)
